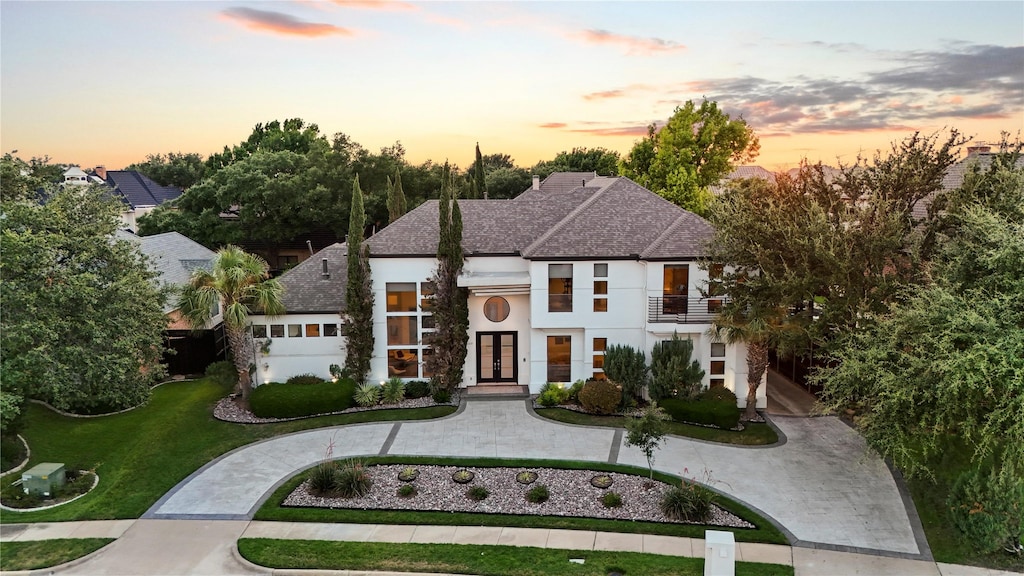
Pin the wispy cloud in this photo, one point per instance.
(553, 125)
(280, 23)
(385, 5)
(600, 128)
(966, 82)
(635, 46)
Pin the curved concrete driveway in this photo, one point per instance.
(823, 485)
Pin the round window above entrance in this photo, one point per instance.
(496, 308)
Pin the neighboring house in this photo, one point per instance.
(741, 173)
(555, 276)
(979, 154)
(139, 194)
(174, 257)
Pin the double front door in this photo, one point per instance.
(496, 354)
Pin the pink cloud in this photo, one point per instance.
(385, 5)
(553, 125)
(634, 45)
(278, 23)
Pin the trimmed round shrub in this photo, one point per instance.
(277, 400)
(305, 379)
(600, 397)
(417, 389)
(611, 500)
(718, 394)
(538, 494)
(552, 396)
(223, 373)
(477, 493)
(709, 412)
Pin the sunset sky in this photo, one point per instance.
(109, 82)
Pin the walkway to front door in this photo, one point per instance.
(496, 354)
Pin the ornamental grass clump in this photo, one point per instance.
(611, 500)
(463, 476)
(538, 494)
(690, 501)
(394, 391)
(367, 394)
(321, 479)
(477, 493)
(352, 480)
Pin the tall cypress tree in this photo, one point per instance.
(396, 198)
(451, 303)
(358, 294)
(479, 178)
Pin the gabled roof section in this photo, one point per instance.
(173, 256)
(609, 218)
(558, 183)
(308, 290)
(138, 190)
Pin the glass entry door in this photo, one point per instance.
(496, 357)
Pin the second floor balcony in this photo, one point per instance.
(682, 309)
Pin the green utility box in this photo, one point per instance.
(43, 478)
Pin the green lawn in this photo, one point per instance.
(46, 553)
(272, 509)
(141, 454)
(476, 559)
(752, 435)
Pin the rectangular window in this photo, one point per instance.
(718, 367)
(559, 288)
(600, 270)
(715, 272)
(717, 350)
(330, 330)
(312, 330)
(599, 347)
(403, 363)
(600, 304)
(401, 296)
(717, 383)
(295, 330)
(559, 358)
(675, 288)
(427, 290)
(714, 306)
(402, 331)
(427, 321)
(277, 330)
(259, 330)
(600, 287)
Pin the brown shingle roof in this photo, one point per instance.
(609, 218)
(307, 290)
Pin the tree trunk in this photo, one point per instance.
(240, 357)
(757, 363)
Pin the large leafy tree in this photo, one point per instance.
(693, 151)
(174, 169)
(240, 284)
(450, 305)
(358, 313)
(82, 324)
(504, 183)
(581, 159)
(944, 370)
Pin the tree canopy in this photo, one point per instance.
(82, 324)
(174, 169)
(582, 159)
(693, 151)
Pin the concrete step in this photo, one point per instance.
(497, 391)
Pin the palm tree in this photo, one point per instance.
(241, 283)
(760, 327)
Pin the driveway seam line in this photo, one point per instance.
(384, 449)
(613, 452)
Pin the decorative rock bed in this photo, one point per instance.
(571, 494)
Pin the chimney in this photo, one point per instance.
(323, 268)
(101, 171)
(536, 182)
(978, 148)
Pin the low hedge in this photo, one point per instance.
(720, 413)
(277, 400)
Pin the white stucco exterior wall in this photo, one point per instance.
(290, 356)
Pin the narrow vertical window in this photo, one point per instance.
(559, 287)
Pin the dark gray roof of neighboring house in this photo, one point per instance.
(558, 182)
(953, 179)
(307, 290)
(138, 190)
(608, 218)
(173, 256)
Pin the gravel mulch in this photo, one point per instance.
(232, 410)
(571, 494)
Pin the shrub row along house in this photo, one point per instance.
(555, 276)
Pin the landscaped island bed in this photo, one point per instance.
(571, 494)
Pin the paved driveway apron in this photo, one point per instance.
(823, 485)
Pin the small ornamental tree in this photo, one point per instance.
(646, 432)
(358, 314)
(396, 198)
(450, 305)
(627, 367)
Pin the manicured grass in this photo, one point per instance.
(930, 499)
(476, 559)
(32, 555)
(272, 509)
(141, 454)
(752, 434)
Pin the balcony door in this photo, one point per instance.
(675, 288)
(496, 354)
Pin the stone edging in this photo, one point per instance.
(28, 456)
(95, 483)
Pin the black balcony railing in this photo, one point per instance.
(682, 310)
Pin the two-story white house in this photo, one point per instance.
(555, 276)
